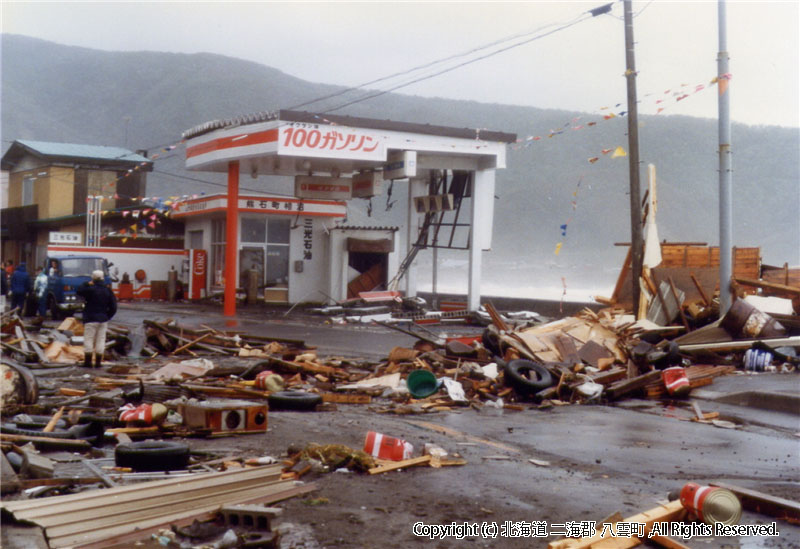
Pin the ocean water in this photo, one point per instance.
(550, 279)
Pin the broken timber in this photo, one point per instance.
(125, 514)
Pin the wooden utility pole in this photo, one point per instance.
(633, 161)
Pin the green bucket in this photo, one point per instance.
(422, 383)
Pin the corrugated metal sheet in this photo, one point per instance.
(74, 150)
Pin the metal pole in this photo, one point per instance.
(725, 175)
(633, 161)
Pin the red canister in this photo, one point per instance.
(676, 381)
(385, 447)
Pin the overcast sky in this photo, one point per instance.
(579, 67)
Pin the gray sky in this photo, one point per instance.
(580, 67)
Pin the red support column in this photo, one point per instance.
(231, 239)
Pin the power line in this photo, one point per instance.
(423, 66)
(582, 17)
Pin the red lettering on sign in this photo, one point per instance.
(299, 138)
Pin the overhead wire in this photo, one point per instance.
(371, 95)
(423, 66)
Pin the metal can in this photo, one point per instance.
(711, 504)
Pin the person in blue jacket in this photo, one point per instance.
(100, 307)
(20, 286)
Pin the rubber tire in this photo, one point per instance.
(91, 432)
(40, 422)
(491, 341)
(518, 371)
(152, 455)
(293, 400)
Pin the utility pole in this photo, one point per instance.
(725, 176)
(633, 162)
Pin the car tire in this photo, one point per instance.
(152, 455)
(527, 376)
(293, 400)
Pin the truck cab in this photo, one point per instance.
(64, 275)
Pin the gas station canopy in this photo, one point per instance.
(292, 142)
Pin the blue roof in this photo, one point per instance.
(73, 150)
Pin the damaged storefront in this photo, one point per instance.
(290, 250)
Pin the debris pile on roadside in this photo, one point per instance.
(67, 428)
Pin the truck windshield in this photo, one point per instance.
(81, 266)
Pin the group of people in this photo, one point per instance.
(100, 303)
(17, 282)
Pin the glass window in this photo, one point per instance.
(278, 231)
(81, 266)
(254, 230)
(217, 250)
(195, 240)
(27, 191)
(277, 264)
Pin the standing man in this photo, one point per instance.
(20, 286)
(40, 289)
(100, 307)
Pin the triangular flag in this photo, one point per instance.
(593, 160)
(125, 213)
(558, 247)
(563, 229)
(152, 225)
(610, 116)
(124, 240)
(619, 151)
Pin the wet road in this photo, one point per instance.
(597, 460)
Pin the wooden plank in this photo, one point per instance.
(760, 502)
(768, 285)
(400, 465)
(700, 290)
(133, 532)
(64, 443)
(668, 512)
(741, 344)
(51, 425)
(624, 387)
(346, 398)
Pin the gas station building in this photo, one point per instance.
(298, 244)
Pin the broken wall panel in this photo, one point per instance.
(680, 261)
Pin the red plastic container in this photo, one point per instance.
(676, 381)
(385, 447)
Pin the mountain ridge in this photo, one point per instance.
(145, 100)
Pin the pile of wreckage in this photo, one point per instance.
(165, 382)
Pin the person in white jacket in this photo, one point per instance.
(40, 290)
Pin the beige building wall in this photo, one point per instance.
(53, 189)
(104, 184)
(58, 200)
